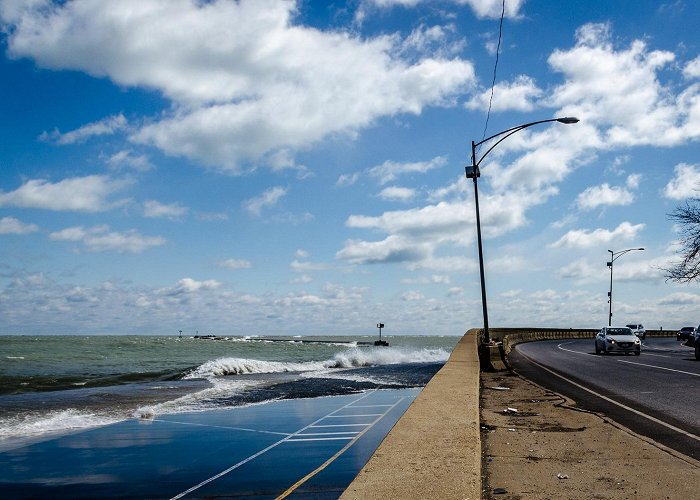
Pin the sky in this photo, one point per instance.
(279, 167)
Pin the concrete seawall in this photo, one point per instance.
(434, 451)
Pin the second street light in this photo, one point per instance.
(613, 257)
(473, 172)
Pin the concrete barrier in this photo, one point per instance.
(434, 450)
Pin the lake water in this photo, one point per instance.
(53, 384)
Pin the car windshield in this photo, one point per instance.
(634, 327)
(619, 331)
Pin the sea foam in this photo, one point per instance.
(55, 421)
(352, 358)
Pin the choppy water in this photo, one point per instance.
(54, 384)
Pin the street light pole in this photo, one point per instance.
(613, 257)
(473, 172)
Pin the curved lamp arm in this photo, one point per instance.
(507, 133)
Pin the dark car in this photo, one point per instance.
(685, 333)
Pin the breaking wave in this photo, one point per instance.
(353, 358)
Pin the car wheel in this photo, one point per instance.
(637, 353)
(697, 352)
(597, 351)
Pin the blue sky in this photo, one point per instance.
(280, 167)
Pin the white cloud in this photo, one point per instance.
(305, 267)
(11, 225)
(604, 195)
(623, 96)
(267, 199)
(153, 208)
(127, 159)
(239, 95)
(393, 249)
(633, 181)
(414, 236)
(346, 180)
(433, 40)
(235, 264)
(482, 8)
(391, 170)
(78, 194)
(692, 69)
(189, 286)
(518, 96)
(685, 183)
(681, 298)
(412, 296)
(395, 193)
(101, 239)
(106, 126)
(584, 238)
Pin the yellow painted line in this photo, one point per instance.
(345, 448)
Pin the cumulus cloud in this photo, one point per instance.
(106, 126)
(235, 264)
(604, 195)
(239, 95)
(101, 239)
(190, 286)
(416, 236)
(692, 69)
(153, 208)
(78, 194)
(11, 225)
(584, 238)
(481, 8)
(685, 183)
(128, 159)
(520, 95)
(395, 193)
(267, 199)
(624, 95)
(391, 170)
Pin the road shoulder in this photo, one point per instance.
(537, 444)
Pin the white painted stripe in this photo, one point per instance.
(339, 425)
(311, 474)
(351, 415)
(265, 450)
(328, 433)
(221, 427)
(660, 368)
(345, 438)
(370, 406)
(610, 400)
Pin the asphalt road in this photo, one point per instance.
(655, 394)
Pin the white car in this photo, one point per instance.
(638, 329)
(617, 339)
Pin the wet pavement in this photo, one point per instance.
(303, 448)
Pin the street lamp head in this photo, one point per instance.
(642, 248)
(568, 120)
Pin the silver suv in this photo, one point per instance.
(638, 330)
